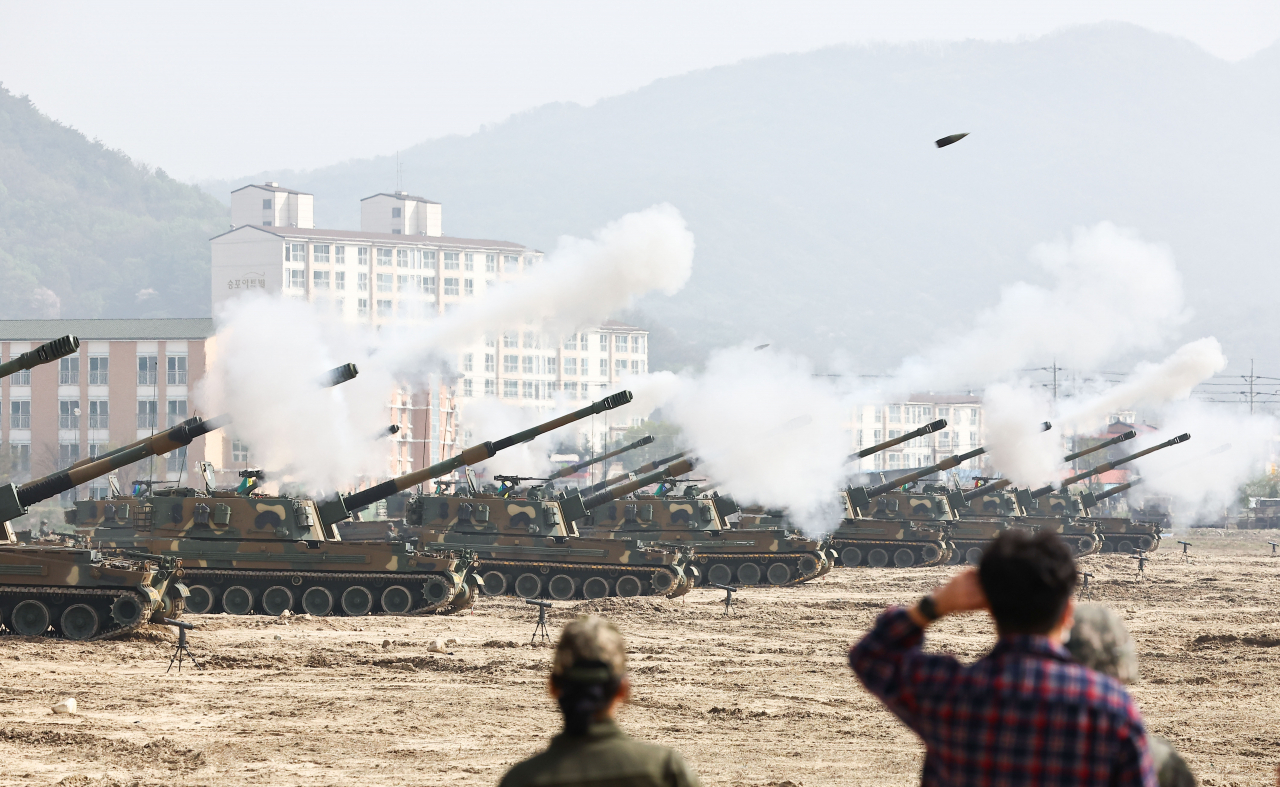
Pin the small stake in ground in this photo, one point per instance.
(541, 625)
(182, 648)
(1142, 559)
(1084, 589)
(1185, 557)
(729, 590)
(1273, 547)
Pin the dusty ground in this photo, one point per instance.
(762, 698)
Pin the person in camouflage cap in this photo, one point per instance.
(1100, 641)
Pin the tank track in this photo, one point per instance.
(1084, 544)
(260, 581)
(581, 573)
(463, 601)
(918, 550)
(58, 599)
(1115, 542)
(764, 561)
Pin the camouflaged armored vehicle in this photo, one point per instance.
(1121, 534)
(526, 547)
(723, 554)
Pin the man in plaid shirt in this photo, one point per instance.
(1023, 714)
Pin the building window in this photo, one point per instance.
(68, 454)
(402, 258)
(570, 366)
(510, 364)
(297, 278)
(384, 282)
(571, 343)
(20, 378)
(362, 282)
(20, 414)
(973, 438)
(635, 367)
(337, 305)
(403, 283)
(147, 365)
(510, 339)
(339, 255)
(147, 413)
(571, 390)
(468, 261)
(550, 367)
(98, 414)
(177, 412)
(973, 415)
(320, 253)
(295, 252)
(450, 286)
(604, 367)
(490, 263)
(384, 257)
(895, 413)
(98, 365)
(490, 388)
(266, 204)
(620, 367)
(511, 263)
(362, 256)
(620, 343)
(68, 414)
(468, 286)
(176, 461)
(395, 213)
(429, 259)
(488, 362)
(510, 389)
(362, 304)
(339, 280)
(530, 392)
(239, 451)
(384, 308)
(451, 260)
(467, 362)
(604, 343)
(429, 286)
(526, 364)
(944, 440)
(466, 387)
(176, 373)
(637, 344)
(69, 371)
(20, 456)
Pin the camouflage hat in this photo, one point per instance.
(1100, 641)
(590, 650)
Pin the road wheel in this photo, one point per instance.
(629, 586)
(877, 558)
(595, 587)
(1108, 545)
(396, 600)
(437, 590)
(128, 610)
(749, 574)
(276, 600)
(808, 565)
(528, 586)
(931, 553)
(663, 582)
(1085, 545)
(79, 622)
(1145, 543)
(200, 599)
(357, 601)
(779, 574)
(851, 556)
(973, 556)
(1125, 546)
(904, 558)
(719, 574)
(495, 583)
(562, 587)
(317, 601)
(237, 600)
(30, 618)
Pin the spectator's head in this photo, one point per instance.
(589, 672)
(1100, 642)
(1028, 580)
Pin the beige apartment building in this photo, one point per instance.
(876, 423)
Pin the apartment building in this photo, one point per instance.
(130, 379)
(873, 424)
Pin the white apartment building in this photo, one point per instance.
(876, 423)
(400, 268)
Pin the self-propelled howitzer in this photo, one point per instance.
(644, 469)
(1122, 533)
(580, 466)
(340, 508)
(45, 353)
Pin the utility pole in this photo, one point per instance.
(1251, 379)
(1055, 379)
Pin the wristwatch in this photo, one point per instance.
(928, 609)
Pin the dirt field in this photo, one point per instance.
(761, 698)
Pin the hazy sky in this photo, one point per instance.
(221, 89)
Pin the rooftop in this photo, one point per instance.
(90, 330)
(614, 325)
(943, 399)
(378, 237)
(269, 187)
(401, 195)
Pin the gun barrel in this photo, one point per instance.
(928, 428)
(571, 469)
(670, 471)
(1129, 435)
(946, 464)
(1105, 466)
(994, 486)
(45, 353)
(1115, 490)
(642, 469)
(339, 509)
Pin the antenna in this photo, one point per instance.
(399, 173)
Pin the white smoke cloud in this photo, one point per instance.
(1112, 293)
(1019, 447)
(270, 351)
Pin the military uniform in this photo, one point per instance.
(604, 757)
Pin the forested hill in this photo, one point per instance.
(87, 232)
(827, 221)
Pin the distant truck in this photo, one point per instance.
(1263, 513)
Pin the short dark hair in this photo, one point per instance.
(1028, 580)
